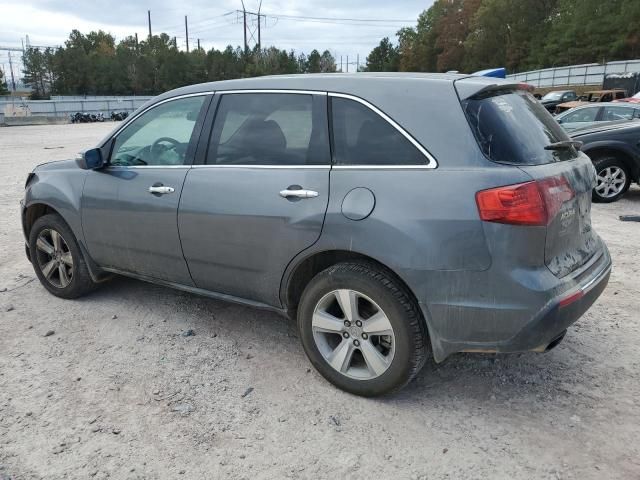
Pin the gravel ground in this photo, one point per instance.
(140, 381)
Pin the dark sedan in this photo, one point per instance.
(614, 149)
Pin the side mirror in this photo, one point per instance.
(91, 159)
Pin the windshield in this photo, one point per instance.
(553, 96)
(512, 127)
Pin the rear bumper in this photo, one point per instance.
(562, 312)
(527, 310)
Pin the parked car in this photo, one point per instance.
(395, 216)
(634, 99)
(592, 97)
(552, 99)
(614, 149)
(588, 115)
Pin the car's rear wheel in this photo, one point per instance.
(612, 179)
(57, 259)
(361, 329)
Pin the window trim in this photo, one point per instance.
(131, 119)
(431, 161)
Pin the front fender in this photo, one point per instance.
(60, 191)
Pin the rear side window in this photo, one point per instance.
(362, 137)
(268, 129)
(612, 114)
(512, 127)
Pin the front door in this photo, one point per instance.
(130, 207)
(261, 195)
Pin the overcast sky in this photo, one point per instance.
(48, 22)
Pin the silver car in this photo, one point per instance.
(395, 216)
(590, 115)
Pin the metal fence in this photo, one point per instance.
(588, 74)
(63, 107)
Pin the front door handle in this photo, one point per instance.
(299, 193)
(161, 189)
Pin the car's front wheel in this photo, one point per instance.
(361, 329)
(612, 179)
(57, 259)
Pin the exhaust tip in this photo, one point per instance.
(555, 342)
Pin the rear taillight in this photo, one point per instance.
(530, 203)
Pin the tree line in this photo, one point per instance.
(470, 35)
(94, 64)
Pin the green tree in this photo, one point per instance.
(327, 62)
(383, 58)
(3, 84)
(313, 62)
(37, 71)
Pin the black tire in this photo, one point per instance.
(80, 279)
(411, 340)
(601, 164)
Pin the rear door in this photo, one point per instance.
(259, 194)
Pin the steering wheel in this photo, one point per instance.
(154, 145)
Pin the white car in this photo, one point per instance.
(588, 115)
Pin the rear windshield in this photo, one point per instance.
(512, 127)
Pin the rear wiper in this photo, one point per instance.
(564, 144)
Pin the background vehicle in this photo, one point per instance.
(592, 97)
(634, 99)
(345, 201)
(586, 116)
(614, 149)
(552, 99)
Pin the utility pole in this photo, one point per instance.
(259, 22)
(186, 32)
(13, 80)
(347, 63)
(136, 40)
(198, 44)
(244, 19)
(358, 62)
(341, 64)
(149, 19)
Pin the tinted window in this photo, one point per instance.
(611, 114)
(512, 127)
(268, 129)
(362, 137)
(159, 136)
(581, 115)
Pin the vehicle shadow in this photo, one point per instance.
(563, 372)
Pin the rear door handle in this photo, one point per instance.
(161, 189)
(301, 193)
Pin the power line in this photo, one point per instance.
(303, 17)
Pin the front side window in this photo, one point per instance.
(268, 129)
(160, 136)
(362, 137)
(581, 115)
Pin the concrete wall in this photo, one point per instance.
(63, 107)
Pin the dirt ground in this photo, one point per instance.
(120, 390)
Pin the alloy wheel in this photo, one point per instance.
(54, 258)
(610, 181)
(353, 334)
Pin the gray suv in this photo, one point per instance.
(396, 216)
